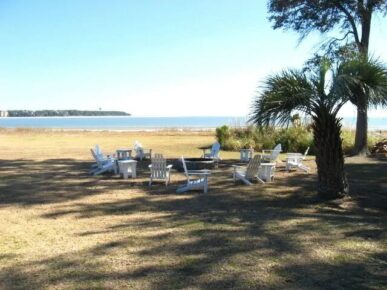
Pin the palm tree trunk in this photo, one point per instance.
(332, 182)
(361, 142)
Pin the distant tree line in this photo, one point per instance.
(63, 113)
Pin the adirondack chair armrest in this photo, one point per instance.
(169, 166)
(265, 156)
(199, 172)
(294, 158)
(235, 167)
(112, 157)
(290, 154)
(239, 168)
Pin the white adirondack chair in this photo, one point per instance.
(248, 173)
(255, 169)
(214, 153)
(159, 170)
(98, 152)
(198, 183)
(103, 164)
(294, 160)
(271, 155)
(142, 153)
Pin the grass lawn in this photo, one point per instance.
(62, 228)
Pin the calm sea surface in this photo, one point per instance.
(121, 123)
(148, 123)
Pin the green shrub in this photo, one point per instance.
(348, 140)
(292, 139)
(348, 137)
(295, 139)
(223, 135)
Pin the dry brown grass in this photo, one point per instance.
(61, 228)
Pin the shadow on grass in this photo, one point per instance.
(235, 236)
(30, 182)
(368, 183)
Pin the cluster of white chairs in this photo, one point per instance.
(159, 169)
(261, 167)
(108, 162)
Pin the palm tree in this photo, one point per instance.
(311, 93)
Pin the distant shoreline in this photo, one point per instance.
(65, 117)
(162, 131)
(61, 113)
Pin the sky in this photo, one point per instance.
(149, 57)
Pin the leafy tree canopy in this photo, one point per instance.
(352, 17)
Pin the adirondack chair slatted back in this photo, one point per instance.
(276, 151)
(253, 167)
(185, 167)
(159, 167)
(215, 150)
(97, 150)
(97, 158)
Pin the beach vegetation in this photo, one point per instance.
(293, 139)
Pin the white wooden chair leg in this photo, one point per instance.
(260, 180)
(246, 181)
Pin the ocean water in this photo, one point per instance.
(373, 123)
(148, 123)
(121, 123)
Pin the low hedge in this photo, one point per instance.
(292, 139)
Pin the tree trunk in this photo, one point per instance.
(361, 147)
(332, 182)
(365, 13)
(361, 138)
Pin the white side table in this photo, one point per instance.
(267, 171)
(127, 167)
(246, 154)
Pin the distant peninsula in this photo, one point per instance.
(62, 113)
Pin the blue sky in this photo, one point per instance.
(149, 58)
